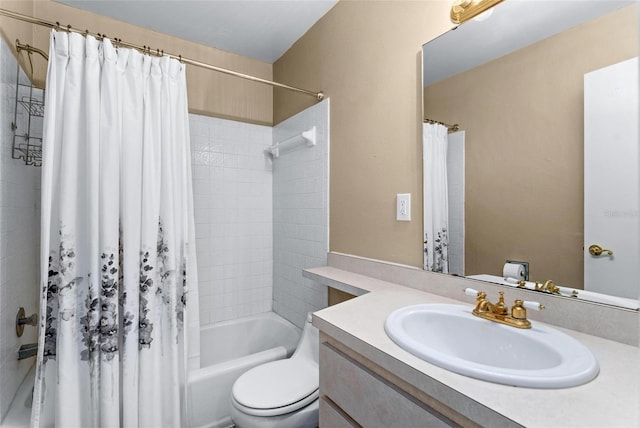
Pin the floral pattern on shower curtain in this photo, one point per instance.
(118, 271)
(436, 200)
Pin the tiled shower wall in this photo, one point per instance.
(19, 235)
(232, 182)
(300, 214)
(259, 221)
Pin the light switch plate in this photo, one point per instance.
(403, 207)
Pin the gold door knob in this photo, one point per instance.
(597, 250)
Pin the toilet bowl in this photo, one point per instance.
(283, 393)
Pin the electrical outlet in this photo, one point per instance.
(403, 207)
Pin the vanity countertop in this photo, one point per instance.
(612, 399)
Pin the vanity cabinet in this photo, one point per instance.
(353, 393)
(332, 416)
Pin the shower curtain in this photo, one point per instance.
(118, 272)
(436, 201)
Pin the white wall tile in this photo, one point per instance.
(300, 215)
(233, 214)
(19, 235)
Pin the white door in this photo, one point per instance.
(611, 189)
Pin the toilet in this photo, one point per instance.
(282, 393)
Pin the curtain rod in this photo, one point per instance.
(30, 49)
(146, 49)
(452, 128)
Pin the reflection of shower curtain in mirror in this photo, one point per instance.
(118, 278)
(436, 203)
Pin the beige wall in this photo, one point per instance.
(524, 172)
(210, 93)
(365, 55)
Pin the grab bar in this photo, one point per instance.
(308, 136)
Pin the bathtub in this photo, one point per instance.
(228, 349)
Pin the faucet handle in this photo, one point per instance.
(532, 305)
(479, 295)
(500, 307)
(471, 292)
(22, 320)
(519, 312)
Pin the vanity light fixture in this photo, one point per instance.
(484, 15)
(464, 10)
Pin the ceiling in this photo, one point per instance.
(260, 29)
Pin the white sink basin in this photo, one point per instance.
(449, 336)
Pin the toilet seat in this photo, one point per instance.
(277, 388)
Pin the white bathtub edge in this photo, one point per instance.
(272, 354)
(209, 405)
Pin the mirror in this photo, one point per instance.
(536, 128)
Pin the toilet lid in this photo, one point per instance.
(278, 384)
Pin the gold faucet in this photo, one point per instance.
(548, 287)
(499, 312)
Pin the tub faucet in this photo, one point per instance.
(28, 350)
